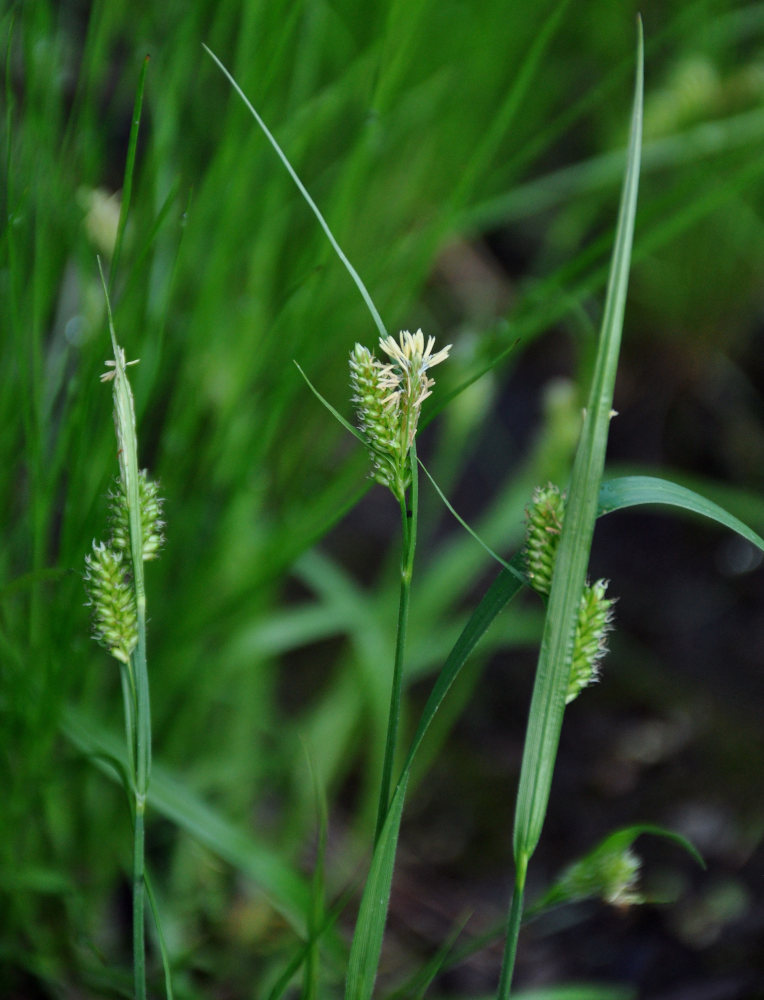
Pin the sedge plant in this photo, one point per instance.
(388, 400)
(387, 396)
(386, 392)
(114, 580)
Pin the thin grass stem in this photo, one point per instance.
(408, 531)
(142, 770)
(139, 891)
(513, 930)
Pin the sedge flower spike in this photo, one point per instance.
(388, 398)
(150, 504)
(111, 600)
(595, 613)
(110, 569)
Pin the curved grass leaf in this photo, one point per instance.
(633, 491)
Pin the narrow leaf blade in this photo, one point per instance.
(372, 916)
(550, 687)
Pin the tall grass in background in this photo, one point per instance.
(223, 279)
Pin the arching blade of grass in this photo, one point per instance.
(633, 491)
(552, 672)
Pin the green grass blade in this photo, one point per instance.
(161, 939)
(502, 590)
(304, 192)
(334, 412)
(468, 529)
(127, 185)
(420, 982)
(372, 916)
(367, 941)
(285, 889)
(634, 491)
(548, 701)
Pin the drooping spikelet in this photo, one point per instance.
(611, 873)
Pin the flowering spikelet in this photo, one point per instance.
(388, 400)
(152, 524)
(595, 620)
(112, 600)
(543, 526)
(595, 614)
(377, 406)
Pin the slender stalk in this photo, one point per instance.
(142, 769)
(513, 930)
(408, 531)
(139, 891)
(124, 420)
(128, 700)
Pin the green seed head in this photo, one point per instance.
(543, 526)
(152, 525)
(112, 601)
(388, 399)
(595, 620)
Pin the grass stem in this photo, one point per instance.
(408, 531)
(139, 892)
(513, 930)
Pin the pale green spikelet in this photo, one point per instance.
(610, 873)
(543, 526)
(410, 360)
(595, 620)
(112, 601)
(377, 406)
(388, 400)
(152, 525)
(545, 515)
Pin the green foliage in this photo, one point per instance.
(261, 647)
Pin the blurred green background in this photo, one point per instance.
(468, 159)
